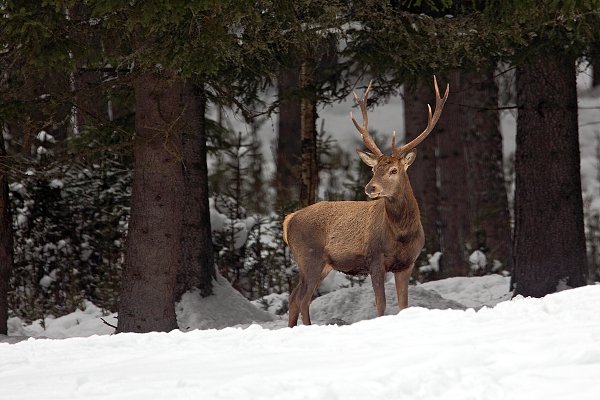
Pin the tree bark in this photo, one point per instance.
(153, 251)
(91, 105)
(454, 214)
(6, 241)
(549, 248)
(490, 229)
(90, 102)
(458, 179)
(197, 269)
(310, 173)
(424, 172)
(596, 71)
(287, 177)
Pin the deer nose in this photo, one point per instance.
(372, 190)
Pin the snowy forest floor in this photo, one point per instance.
(438, 348)
(228, 308)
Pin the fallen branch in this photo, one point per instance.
(111, 325)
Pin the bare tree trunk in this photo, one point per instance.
(288, 139)
(91, 105)
(6, 240)
(458, 178)
(454, 214)
(488, 203)
(310, 174)
(424, 172)
(549, 249)
(596, 71)
(197, 269)
(153, 250)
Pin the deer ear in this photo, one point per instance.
(409, 158)
(368, 158)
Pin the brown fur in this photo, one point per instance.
(286, 222)
(357, 237)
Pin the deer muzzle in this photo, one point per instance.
(373, 190)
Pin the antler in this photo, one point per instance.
(364, 130)
(431, 121)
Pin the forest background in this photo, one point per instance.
(124, 182)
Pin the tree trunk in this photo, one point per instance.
(153, 251)
(458, 179)
(6, 241)
(197, 269)
(424, 172)
(287, 177)
(596, 71)
(91, 105)
(310, 174)
(453, 208)
(549, 249)
(488, 202)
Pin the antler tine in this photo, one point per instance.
(364, 129)
(431, 119)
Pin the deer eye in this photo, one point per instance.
(393, 171)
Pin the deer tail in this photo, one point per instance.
(286, 222)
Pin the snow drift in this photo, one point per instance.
(521, 349)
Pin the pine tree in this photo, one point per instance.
(550, 250)
(288, 137)
(546, 41)
(595, 62)
(197, 268)
(490, 230)
(153, 252)
(175, 47)
(424, 172)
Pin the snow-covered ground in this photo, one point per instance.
(227, 307)
(520, 349)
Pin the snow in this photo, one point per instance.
(225, 308)
(56, 184)
(478, 260)
(522, 348)
(220, 222)
(274, 303)
(486, 290)
(81, 323)
(44, 136)
(433, 263)
(589, 142)
(351, 305)
(525, 348)
(46, 281)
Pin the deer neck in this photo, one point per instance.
(402, 212)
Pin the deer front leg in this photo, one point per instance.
(378, 282)
(402, 278)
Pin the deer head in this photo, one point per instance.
(390, 172)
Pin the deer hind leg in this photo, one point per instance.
(312, 280)
(401, 278)
(293, 305)
(378, 282)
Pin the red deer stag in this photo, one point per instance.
(362, 237)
